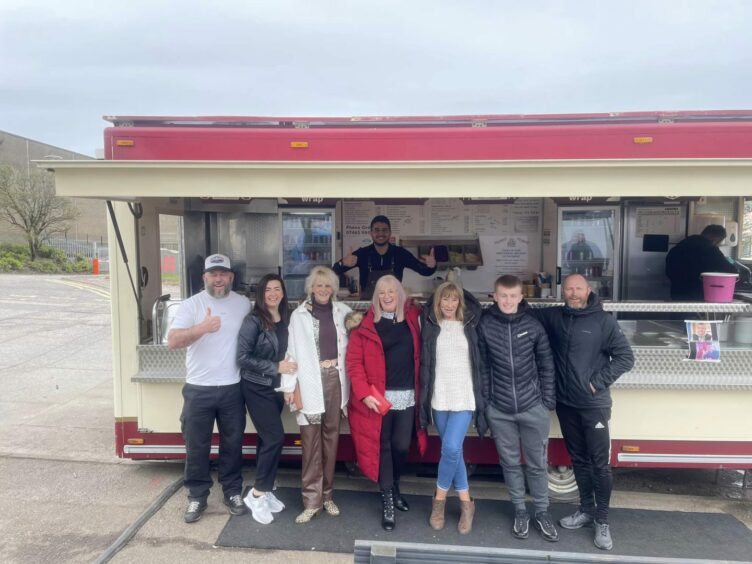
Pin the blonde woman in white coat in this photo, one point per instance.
(317, 342)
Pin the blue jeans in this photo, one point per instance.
(452, 426)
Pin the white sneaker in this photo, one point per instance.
(275, 505)
(259, 508)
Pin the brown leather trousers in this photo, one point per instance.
(320, 445)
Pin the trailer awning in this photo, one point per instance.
(125, 180)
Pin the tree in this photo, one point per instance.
(28, 202)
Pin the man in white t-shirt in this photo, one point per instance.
(208, 325)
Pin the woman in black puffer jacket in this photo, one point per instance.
(262, 343)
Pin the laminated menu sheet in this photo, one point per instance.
(703, 341)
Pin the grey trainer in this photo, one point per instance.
(602, 537)
(576, 520)
(521, 527)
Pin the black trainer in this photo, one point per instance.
(545, 525)
(194, 511)
(235, 505)
(521, 527)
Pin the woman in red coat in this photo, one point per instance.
(384, 353)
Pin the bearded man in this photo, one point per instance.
(207, 324)
(590, 353)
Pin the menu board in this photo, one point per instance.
(447, 217)
(356, 224)
(659, 221)
(405, 219)
(526, 215)
(490, 218)
(506, 255)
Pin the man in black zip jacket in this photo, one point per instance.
(517, 381)
(590, 353)
(381, 257)
(693, 256)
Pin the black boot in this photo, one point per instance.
(387, 500)
(399, 501)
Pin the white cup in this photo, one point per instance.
(545, 292)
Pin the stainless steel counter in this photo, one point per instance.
(660, 349)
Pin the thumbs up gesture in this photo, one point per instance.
(350, 259)
(211, 323)
(429, 260)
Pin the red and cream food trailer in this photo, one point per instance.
(500, 194)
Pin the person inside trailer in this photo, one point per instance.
(693, 256)
(381, 258)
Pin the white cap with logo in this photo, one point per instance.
(217, 262)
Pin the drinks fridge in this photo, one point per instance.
(589, 244)
(307, 241)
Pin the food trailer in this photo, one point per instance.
(498, 194)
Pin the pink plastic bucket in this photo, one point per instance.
(718, 286)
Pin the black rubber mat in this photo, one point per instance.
(636, 532)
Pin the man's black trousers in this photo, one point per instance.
(588, 442)
(202, 405)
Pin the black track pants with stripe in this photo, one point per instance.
(588, 442)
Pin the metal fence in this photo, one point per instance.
(77, 247)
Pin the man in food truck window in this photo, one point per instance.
(381, 257)
(693, 256)
(590, 353)
(208, 324)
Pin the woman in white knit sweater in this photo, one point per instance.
(450, 390)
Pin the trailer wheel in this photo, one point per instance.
(562, 486)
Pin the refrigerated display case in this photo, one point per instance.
(307, 241)
(589, 244)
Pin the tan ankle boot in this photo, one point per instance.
(467, 512)
(437, 514)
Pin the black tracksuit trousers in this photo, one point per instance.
(588, 442)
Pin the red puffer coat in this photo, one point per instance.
(366, 365)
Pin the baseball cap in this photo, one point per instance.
(217, 262)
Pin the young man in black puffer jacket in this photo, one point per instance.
(590, 353)
(517, 379)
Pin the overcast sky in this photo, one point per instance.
(63, 65)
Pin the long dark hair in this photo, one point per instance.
(259, 308)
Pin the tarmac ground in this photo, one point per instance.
(67, 497)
